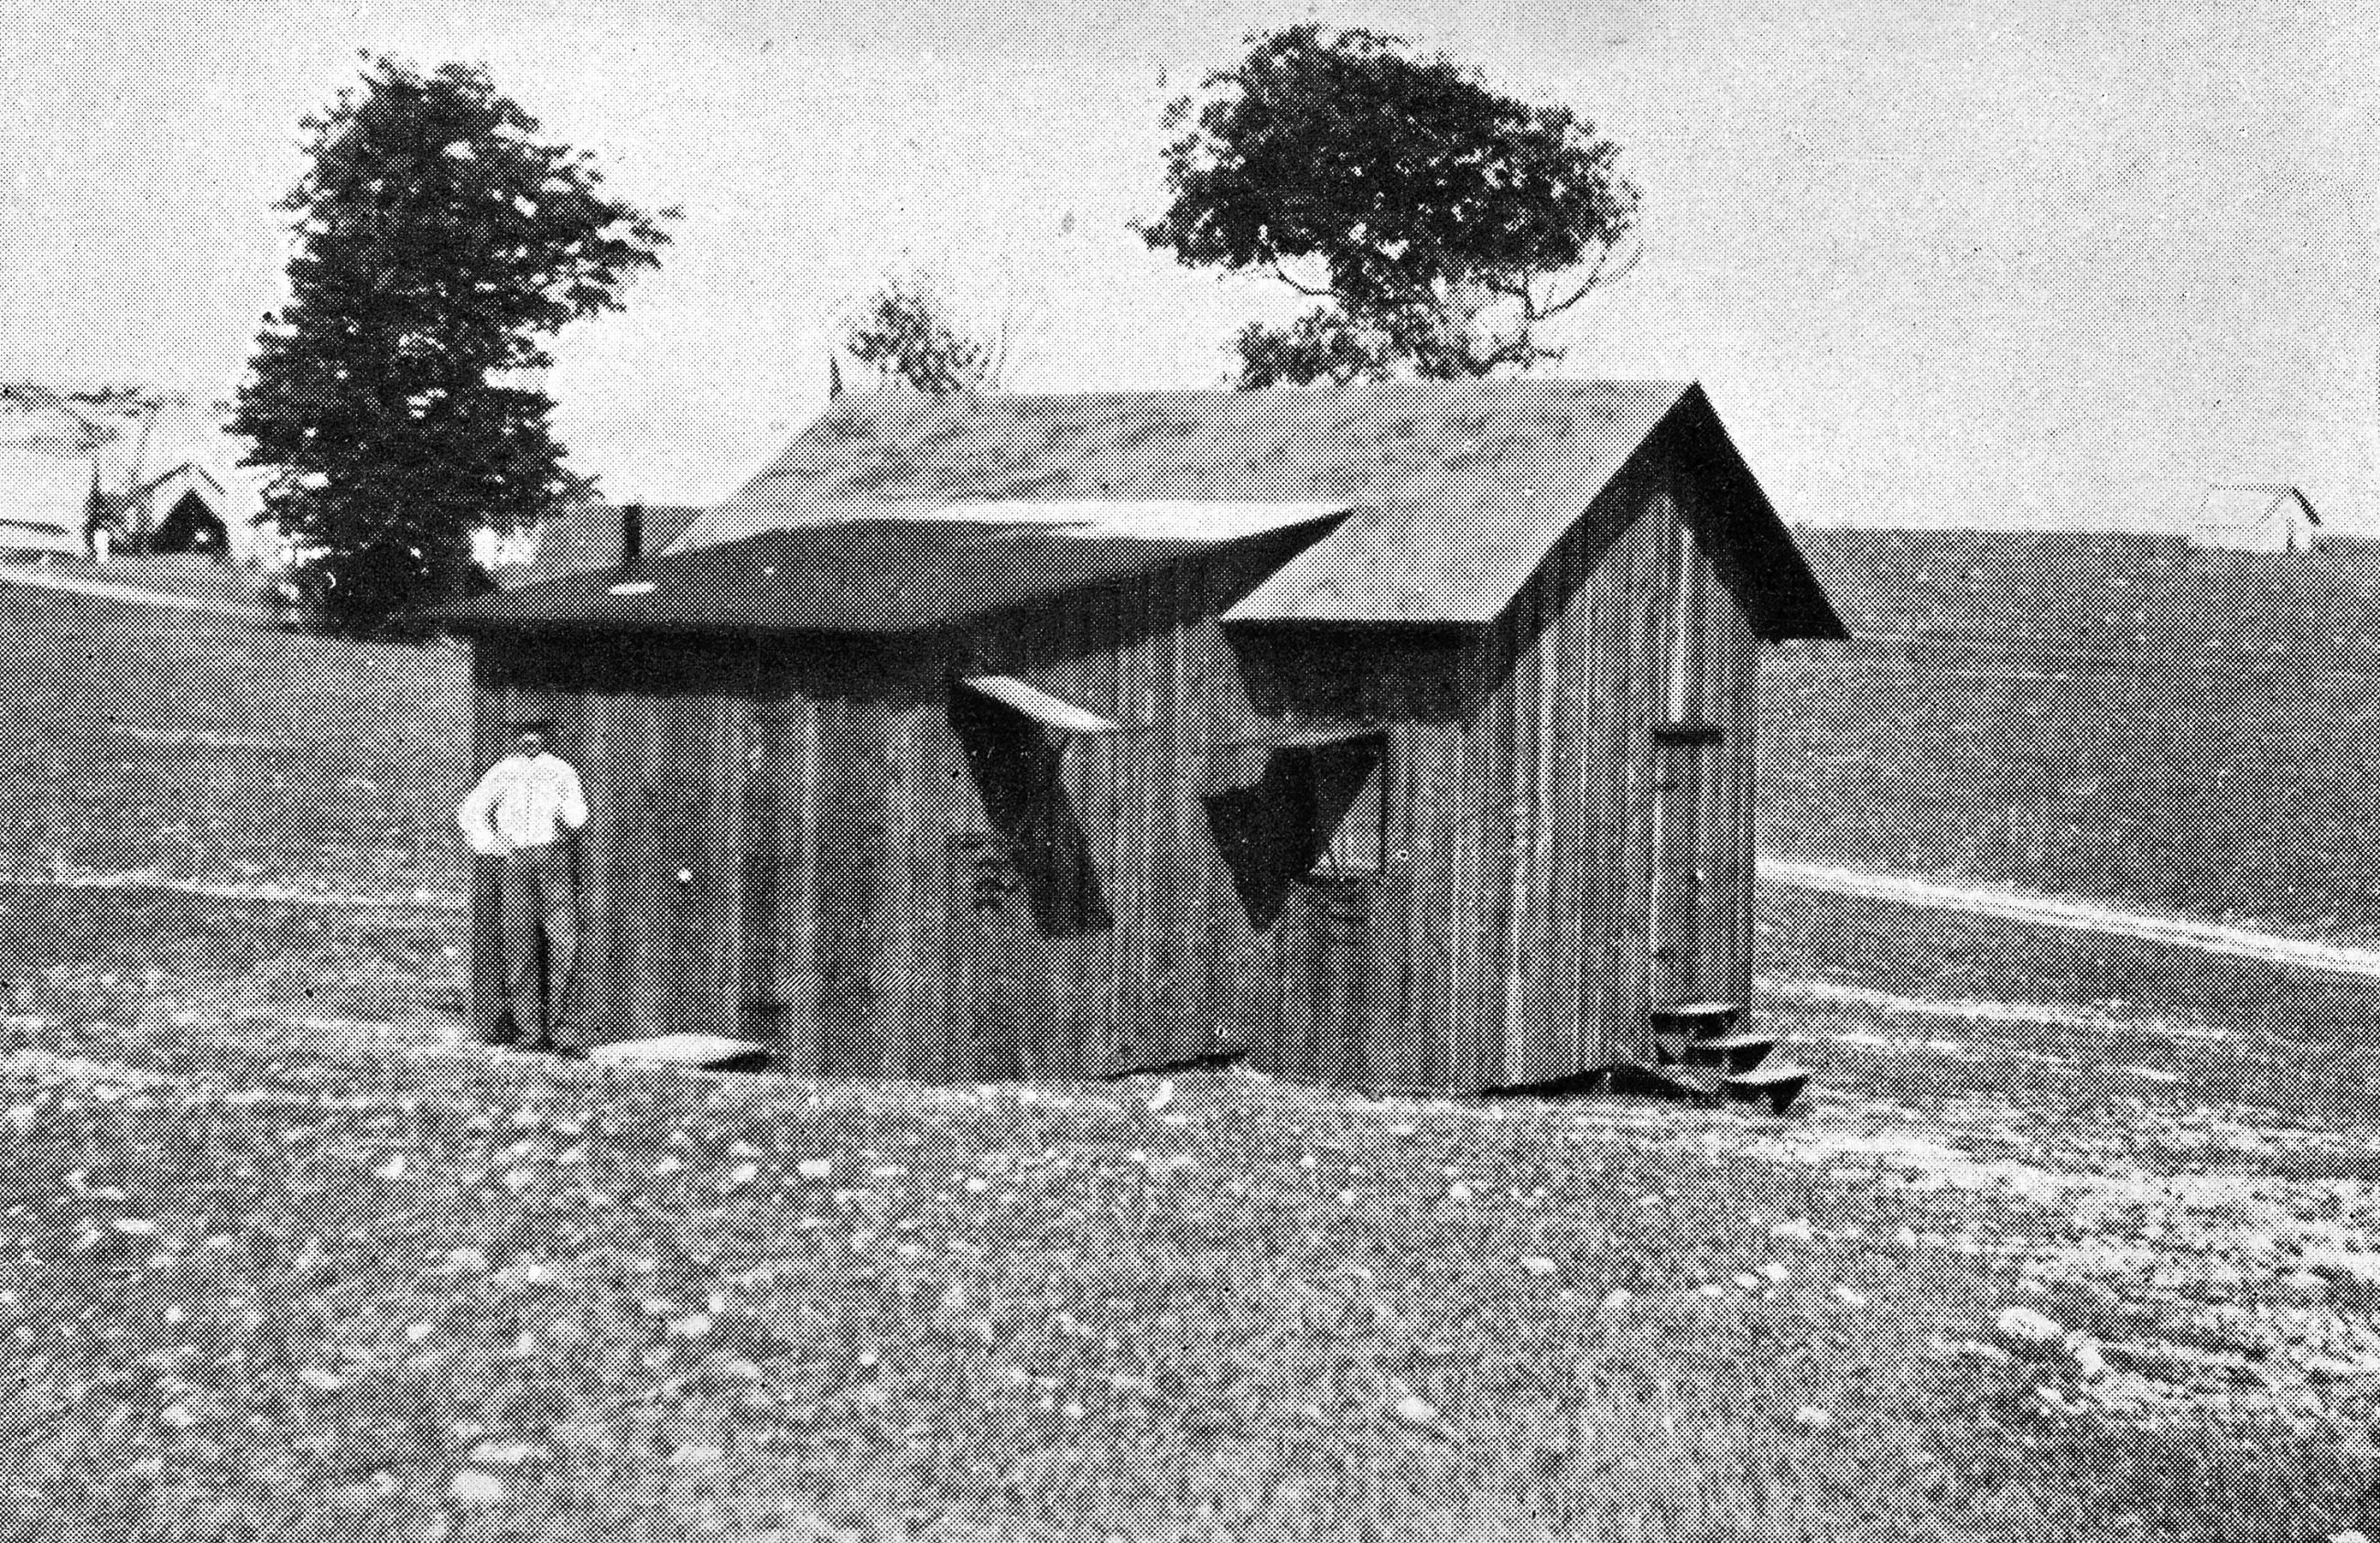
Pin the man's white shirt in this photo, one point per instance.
(523, 801)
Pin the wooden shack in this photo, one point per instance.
(1400, 736)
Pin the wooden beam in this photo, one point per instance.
(702, 1051)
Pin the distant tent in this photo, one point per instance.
(184, 509)
(186, 490)
(2255, 517)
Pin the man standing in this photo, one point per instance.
(523, 812)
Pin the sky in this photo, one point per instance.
(1937, 262)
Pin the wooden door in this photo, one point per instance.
(1685, 743)
(1681, 764)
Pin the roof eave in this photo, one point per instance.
(1465, 626)
(475, 627)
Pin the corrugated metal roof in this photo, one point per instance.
(882, 575)
(1459, 490)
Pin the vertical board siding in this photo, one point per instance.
(1181, 969)
(761, 1012)
(1552, 887)
(1633, 754)
(1428, 829)
(645, 851)
(842, 895)
(1569, 879)
(486, 997)
(1674, 794)
(1478, 805)
(914, 896)
(798, 770)
(1601, 832)
(1735, 853)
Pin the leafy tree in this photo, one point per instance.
(438, 244)
(908, 330)
(1438, 222)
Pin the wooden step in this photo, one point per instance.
(709, 1052)
(1675, 1042)
(1740, 1051)
(1780, 1082)
(1701, 1019)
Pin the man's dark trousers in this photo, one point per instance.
(540, 928)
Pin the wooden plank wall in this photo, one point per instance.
(1180, 970)
(731, 793)
(1728, 691)
(486, 997)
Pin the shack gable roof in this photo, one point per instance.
(1459, 490)
(881, 574)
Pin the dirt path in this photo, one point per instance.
(2082, 916)
(68, 584)
(248, 891)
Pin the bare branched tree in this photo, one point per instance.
(909, 330)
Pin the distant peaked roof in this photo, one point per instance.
(190, 468)
(2235, 505)
(1459, 489)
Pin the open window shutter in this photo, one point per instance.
(1315, 813)
(1015, 739)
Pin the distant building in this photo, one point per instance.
(44, 501)
(505, 552)
(2255, 517)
